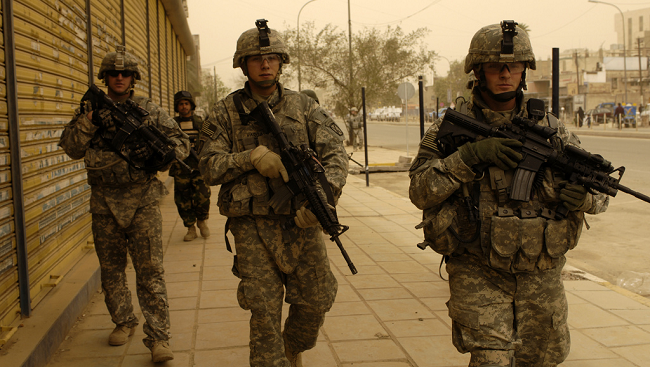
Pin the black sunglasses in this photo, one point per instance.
(115, 73)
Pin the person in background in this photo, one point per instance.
(191, 194)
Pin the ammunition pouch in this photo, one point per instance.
(523, 244)
(248, 195)
(437, 223)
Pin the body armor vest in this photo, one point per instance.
(105, 167)
(251, 193)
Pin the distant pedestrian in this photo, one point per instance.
(581, 116)
(619, 113)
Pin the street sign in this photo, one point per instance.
(405, 91)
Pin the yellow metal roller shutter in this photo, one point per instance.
(135, 14)
(106, 29)
(154, 9)
(51, 73)
(9, 293)
(164, 73)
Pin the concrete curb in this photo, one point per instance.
(39, 336)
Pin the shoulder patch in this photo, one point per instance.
(210, 129)
(418, 163)
(332, 125)
(429, 141)
(322, 118)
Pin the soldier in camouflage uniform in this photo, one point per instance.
(124, 205)
(355, 128)
(279, 243)
(191, 194)
(507, 300)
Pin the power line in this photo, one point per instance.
(402, 19)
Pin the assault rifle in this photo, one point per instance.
(538, 150)
(304, 168)
(129, 118)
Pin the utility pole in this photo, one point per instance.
(216, 97)
(575, 55)
(642, 105)
(350, 43)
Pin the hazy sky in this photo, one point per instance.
(452, 23)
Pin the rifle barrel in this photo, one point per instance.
(636, 194)
(353, 269)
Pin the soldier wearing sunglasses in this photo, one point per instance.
(124, 206)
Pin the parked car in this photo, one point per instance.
(441, 113)
(598, 115)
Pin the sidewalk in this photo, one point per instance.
(391, 314)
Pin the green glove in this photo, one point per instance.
(495, 151)
(573, 196)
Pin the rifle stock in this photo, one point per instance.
(302, 167)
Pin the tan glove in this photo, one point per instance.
(268, 163)
(305, 218)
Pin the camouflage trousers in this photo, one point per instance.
(192, 198)
(357, 138)
(142, 240)
(269, 260)
(497, 315)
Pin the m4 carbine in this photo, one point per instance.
(579, 166)
(303, 168)
(129, 118)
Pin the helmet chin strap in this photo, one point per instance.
(502, 97)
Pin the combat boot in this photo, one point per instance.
(203, 227)
(160, 352)
(295, 358)
(191, 234)
(120, 335)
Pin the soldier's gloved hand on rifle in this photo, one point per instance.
(497, 151)
(573, 196)
(268, 163)
(305, 218)
(103, 118)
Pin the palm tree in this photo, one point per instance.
(524, 27)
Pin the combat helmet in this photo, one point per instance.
(183, 95)
(119, 60)
(500, 43)
(259, 41)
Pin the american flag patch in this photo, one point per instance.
(429, 141)
(209, 129)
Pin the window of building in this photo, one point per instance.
(641, 24)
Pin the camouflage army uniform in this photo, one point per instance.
(507, 296)
(126, 219)
(191, 193)
(268, 256)
(355, 126)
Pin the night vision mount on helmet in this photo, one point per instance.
(119, 60)
(259, 41)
